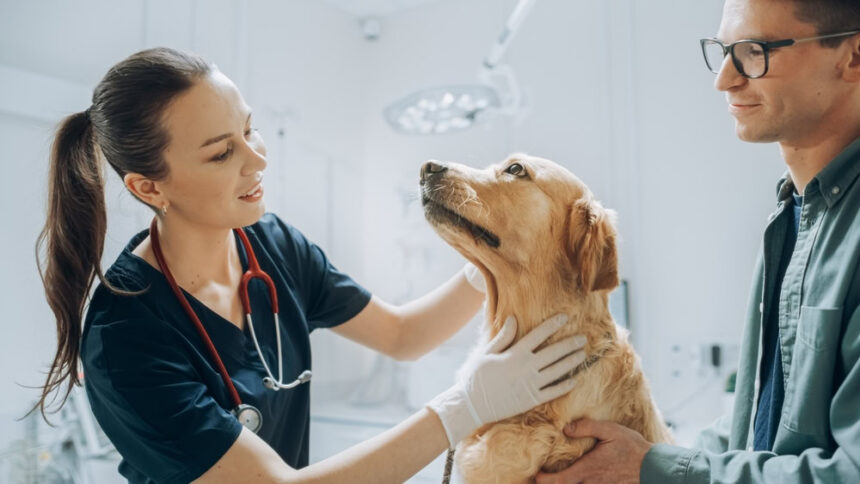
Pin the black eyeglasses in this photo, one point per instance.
(750, 57)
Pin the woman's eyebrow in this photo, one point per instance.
(220, 136)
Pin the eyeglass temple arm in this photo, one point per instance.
(783, 43)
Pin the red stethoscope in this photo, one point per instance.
(248, 415)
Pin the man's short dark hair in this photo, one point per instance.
(830, 17)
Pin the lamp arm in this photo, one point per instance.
(516, 18)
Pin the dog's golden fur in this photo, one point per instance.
(544, 246)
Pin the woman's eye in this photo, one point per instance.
(516, 169)
(223, 156)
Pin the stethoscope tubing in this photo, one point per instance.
(210, 347)
(255, 272)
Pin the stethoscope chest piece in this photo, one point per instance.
(249, 417)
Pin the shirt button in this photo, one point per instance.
(835, 190)
(750, 448)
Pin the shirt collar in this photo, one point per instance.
(784, 187)
(840, 173)
(833, 181)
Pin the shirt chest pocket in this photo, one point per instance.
(809, 388)
(818, 328)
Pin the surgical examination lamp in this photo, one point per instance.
(445, 109)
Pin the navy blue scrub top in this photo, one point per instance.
(152, 385)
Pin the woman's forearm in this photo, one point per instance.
(433, 318)
(392, 456)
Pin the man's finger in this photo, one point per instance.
(586, 427)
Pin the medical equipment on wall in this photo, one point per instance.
(444, 109)
(248, 415)
(67, 451)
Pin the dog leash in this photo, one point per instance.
(449, 465)
(449, 458)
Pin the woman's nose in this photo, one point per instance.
(256, 160)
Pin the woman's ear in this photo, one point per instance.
(591, 245)
(145, 189)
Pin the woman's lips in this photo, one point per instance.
(254, 195)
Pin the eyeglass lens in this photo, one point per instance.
(749, 57)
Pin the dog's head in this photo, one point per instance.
(526, 218)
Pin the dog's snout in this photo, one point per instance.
(432, 168)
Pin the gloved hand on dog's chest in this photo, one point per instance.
(498, 383)
(475, 278)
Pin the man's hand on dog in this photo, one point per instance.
(616, 458)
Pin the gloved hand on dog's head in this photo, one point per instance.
(498, 383)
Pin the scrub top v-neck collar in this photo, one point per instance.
(226, 336)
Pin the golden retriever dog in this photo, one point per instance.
(544, 246)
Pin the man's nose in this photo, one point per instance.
(728, 75)
(432, 168)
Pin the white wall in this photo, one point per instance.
(703, 198)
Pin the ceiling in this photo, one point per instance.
(376, 8)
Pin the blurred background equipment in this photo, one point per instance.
(66, 453)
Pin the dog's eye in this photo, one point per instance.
(516, 169)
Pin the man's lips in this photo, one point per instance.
(737, 108)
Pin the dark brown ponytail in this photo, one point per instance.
(124, 125)
(73, 238)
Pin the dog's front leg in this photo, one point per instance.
(507, 452)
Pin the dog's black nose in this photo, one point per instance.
(432, 168)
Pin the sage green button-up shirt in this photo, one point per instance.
(818, 440)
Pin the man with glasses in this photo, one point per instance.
(791, 73)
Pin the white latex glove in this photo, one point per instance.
(498, 384)
(475, 278)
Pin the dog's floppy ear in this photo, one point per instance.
(591, 245)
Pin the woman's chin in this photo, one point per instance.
(252, 216)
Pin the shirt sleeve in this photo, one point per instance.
(671, 464)
(330, 297)
(715, 438)
(337, 298)
(151, 402)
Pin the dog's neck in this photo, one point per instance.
(531, 303)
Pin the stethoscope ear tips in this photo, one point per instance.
(270, 384)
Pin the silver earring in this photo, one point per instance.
(164, 211)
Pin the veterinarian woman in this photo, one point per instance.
(184, 385)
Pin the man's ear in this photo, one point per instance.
(851, 71)
(591, 245)
(145, 189)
